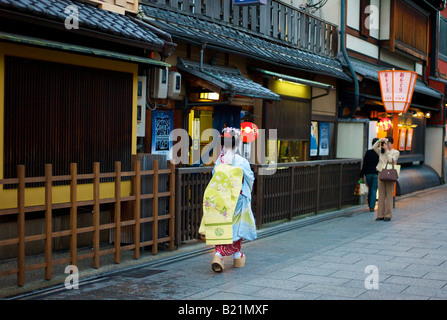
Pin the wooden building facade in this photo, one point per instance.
(388, 34)
(69, 75)
(437, 78)
(289, 53)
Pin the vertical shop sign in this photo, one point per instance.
(409, 138)
(402, 136)
(313, 138)
(196, 134)
(162, 125)
(324, 139)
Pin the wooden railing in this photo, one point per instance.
(294, 189)
(275, 20)
(191, 184)
(134, 222)
(304, 187)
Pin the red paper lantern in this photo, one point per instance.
(385, 124)
(249, 131)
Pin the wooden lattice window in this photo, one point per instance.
(60, 113)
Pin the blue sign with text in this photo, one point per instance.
(162, 125)
(249, 2)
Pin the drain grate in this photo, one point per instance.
(138, 274)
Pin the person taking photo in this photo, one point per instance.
(387, 156)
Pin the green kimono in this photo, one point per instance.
(219, 204)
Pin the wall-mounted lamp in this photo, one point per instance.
(209, 96)
(428, 115)
(290, 82)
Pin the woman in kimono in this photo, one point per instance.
(227, 215)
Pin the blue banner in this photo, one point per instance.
(249, 2)
(324, 139)
(162, 125)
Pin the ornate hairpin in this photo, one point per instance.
(229, 132)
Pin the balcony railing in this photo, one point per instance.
(275, 20)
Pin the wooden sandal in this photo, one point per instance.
(217, 264)
(239, 262)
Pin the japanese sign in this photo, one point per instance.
(397, 89)
(162, 125)
(324, 139)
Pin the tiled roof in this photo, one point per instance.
(229, 79)
(193, 28)
(90, 17)
(370, 71)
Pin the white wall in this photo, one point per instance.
(362, 46)
(385, 20)
(418, 67)
(353, 17)
(353, 14)
(397, 60)
(375, 19)
(329, 12)
(350, 140)
(372, 133)
(433, 148)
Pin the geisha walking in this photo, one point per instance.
(227, 215)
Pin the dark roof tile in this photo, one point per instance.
(370, 71)
(229, 79)
(244, 43)
(90, 17)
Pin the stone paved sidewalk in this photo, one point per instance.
(326, 260)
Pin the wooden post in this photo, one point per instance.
(96, 172)
(73, 214)
(48, 220)
(21, 225)
(292, 189)
(259, 196)
(340, 189)
(137, 192)
(396, 131)
(172, 207)
(178, 206)
(393, 19)
(118, 212)
(317, 207)
(155, 208)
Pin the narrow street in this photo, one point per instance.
(125, 126)
(347, 257)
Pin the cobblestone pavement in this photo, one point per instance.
(347, 257)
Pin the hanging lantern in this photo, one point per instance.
(384, 124)
(397, 88)
(249, 131)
